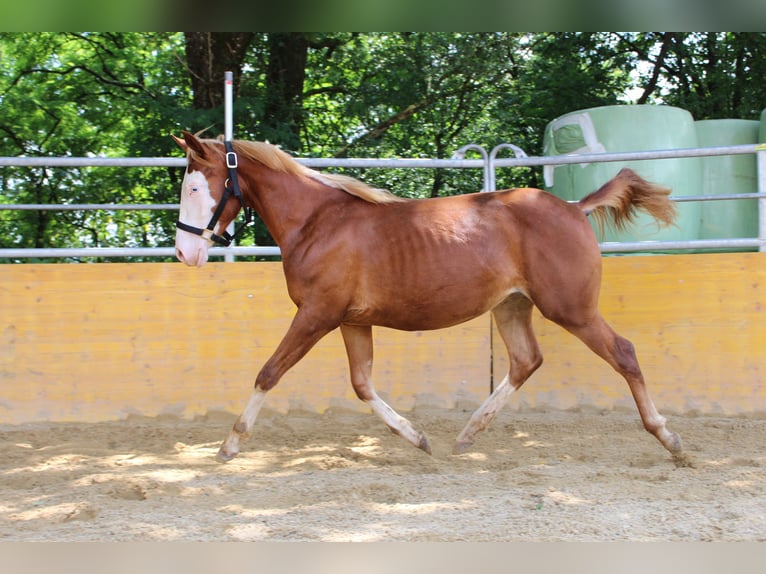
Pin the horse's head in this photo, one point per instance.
(201, 191)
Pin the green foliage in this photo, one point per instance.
(717, 74)
(110, 95)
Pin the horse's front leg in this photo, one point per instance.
(304, 332)
(358, 341)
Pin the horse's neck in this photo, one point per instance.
(286, 202)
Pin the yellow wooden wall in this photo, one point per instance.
(98, 342)
(103, 341)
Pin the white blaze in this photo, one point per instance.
(197, 206)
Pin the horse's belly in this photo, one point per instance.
(435, 277)
(429, 309)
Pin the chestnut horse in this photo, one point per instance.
(355, 256)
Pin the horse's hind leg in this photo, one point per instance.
(514, 321)
(358, 341)
(619, 353)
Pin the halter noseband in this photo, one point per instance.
(231, 187)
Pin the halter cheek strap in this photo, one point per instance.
(224, 239)
(231, 188)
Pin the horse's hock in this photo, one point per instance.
(100, 342)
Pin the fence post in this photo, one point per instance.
(761, 155)
(517, 151)
(228, 131)
(460, 154)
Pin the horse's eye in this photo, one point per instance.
(194, 189)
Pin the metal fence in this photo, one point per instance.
(489, 163)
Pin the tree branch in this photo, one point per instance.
(381, 128)
(667, 40)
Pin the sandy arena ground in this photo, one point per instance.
(341, 476)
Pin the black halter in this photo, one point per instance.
(231, 187)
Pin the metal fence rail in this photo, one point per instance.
(33, 253)
(489, 163)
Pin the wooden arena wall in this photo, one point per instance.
(105, 341)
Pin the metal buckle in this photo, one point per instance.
(207, 234)
(231, 160)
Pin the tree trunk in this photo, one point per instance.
(667, 40)
(209, 55)
(282, 117)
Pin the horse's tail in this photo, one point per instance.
(618, 201)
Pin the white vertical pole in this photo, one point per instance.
(228, 128)
(228, 91)
(460, 154)
(761, 155)
(518, 152)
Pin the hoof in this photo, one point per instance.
(675, 444)
(424, 445)
(223, 456)
(672, 442)
(461, 447)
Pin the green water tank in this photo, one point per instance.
(728, 174)
(621, 129)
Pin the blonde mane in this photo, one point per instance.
(274, 158)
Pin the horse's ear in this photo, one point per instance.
(179, 142)
(191, 142)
